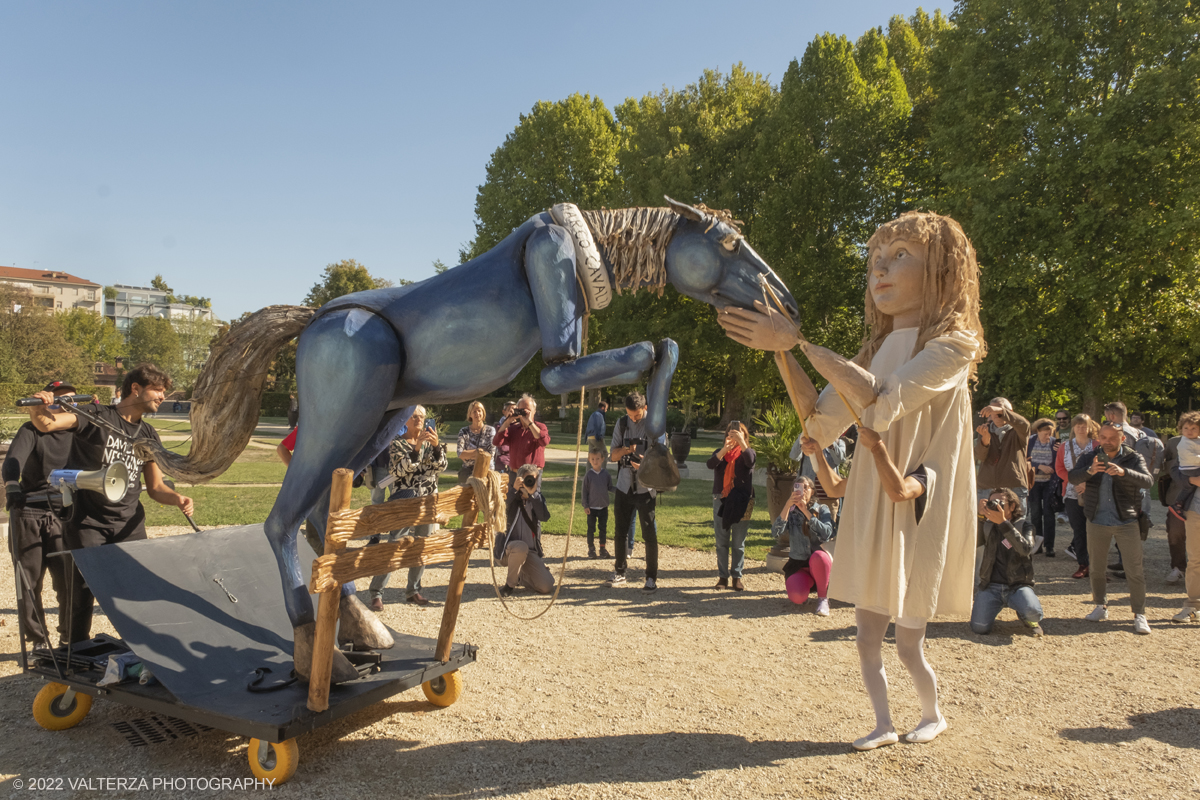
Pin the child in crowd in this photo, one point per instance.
(597, 486)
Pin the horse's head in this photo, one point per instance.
(709, 260)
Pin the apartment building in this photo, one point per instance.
(60, 291)
(132, 302)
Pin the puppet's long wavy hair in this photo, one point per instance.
(951, 284)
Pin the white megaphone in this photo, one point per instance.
(112, 481)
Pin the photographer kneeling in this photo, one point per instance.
(521, 549)
(1006, 574)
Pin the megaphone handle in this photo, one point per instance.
(190, 521)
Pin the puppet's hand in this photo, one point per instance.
(762, 328)
(869, 437)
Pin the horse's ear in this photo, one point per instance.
(684, 210)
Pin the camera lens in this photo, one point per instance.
(530, 481)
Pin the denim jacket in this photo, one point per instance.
(806, 535)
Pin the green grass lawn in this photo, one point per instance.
(684, 516)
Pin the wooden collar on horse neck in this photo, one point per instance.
(589, 267)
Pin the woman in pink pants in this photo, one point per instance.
(808, 524)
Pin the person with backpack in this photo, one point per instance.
(1184, 513)
(1044, 487)
(629, 445)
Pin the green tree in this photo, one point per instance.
(154, 339)
(833, 153)
(96, 337)
(1068, 140)
(195, 334)
(157, 282)
(33, 347)
(564, 151)
(344, 277)
(439, 267)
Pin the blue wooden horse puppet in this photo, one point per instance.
(365, 360)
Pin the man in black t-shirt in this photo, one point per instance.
(36, 527)
(95, 521)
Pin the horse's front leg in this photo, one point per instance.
(624, 366)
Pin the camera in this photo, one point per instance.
(530, 481)
(634, 457)
(520, 412)
(993, 505)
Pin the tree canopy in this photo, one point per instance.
(344, 277)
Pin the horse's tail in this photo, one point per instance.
(228, 393)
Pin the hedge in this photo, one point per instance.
(10, 393)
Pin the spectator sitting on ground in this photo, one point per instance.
(1115, 476)
(1006, 574)
(521, 548)
(809, 525)
(1185, 503)
(1000, 451)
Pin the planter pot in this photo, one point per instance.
(776, 559)
(779, 488)
(681, 446)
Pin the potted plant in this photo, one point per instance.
(777, 430)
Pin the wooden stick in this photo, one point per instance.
(329, 603)
(458, 574)
(407, 551)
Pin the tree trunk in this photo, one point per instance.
(1093, 389)
(734, 406)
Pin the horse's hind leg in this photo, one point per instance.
(347, 367)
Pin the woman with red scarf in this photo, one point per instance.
(733, 489)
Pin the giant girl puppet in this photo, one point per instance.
(909, 383)
(364, 361)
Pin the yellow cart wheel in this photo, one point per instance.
(53, 714)
(278, 765)
(444, 689)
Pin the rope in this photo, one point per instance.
(489, 508)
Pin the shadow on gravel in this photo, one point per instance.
(501, 767)
(1177, 727)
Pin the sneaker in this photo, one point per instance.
(1174, 575)
(1069, 552)
(1140, 625)
(604, 553)
(1050, 552)
(1099, 614)
(1187, 615)
(507, 591)
(616, 580)
(376, 604)
(1117, 574)
(650, 585)
(591, 553)
(1082, 572)
(1061, 517)
(822, 607)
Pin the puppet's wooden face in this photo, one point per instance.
(897, 280)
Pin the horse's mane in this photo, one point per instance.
(634, 243)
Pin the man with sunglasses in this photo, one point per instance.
(1062, 418)
(1006, 573)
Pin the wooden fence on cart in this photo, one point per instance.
(339, 565)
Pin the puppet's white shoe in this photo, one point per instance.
(927, 732)
(873, 741)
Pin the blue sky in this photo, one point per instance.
(239, 147)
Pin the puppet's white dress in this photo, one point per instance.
(884, 560)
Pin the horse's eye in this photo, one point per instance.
(730, 242)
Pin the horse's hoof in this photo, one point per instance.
(356, 624)
(658, 469)
(302, 654)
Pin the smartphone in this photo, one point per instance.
(1103, 458)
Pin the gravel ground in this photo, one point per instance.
(693, 692)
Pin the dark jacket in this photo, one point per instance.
(1002, 462)
(1020, 556)
(535, 508)
(734, 507)
(1126, 488)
